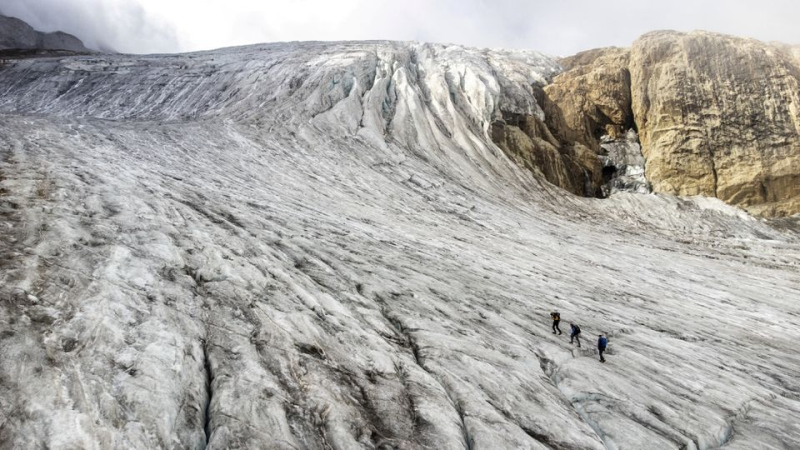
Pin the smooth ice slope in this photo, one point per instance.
(318, 246)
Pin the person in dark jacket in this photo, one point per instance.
(602, 343)
(556, 316)
(575, 334)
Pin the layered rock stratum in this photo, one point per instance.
(320, 245)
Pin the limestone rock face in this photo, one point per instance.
(587, 104)
(719, 116)
(529, 143)
(591, 98)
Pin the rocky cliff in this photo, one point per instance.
(528, 141)
(717, 115)
(591, 98)
(15, 34)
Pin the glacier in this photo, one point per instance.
(317, 245)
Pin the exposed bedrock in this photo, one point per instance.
(718, 116)
(585, 105)
(18, 35)
(592, 98)
(528, 142)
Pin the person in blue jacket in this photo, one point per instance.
(575, 334)
(602, 343)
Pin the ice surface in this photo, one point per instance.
(318, 246)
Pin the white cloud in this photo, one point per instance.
(123, 25)
(557, 27)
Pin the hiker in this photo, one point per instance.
(602, 343)
(575, 334)
(556, 319)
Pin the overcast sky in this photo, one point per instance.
(558, 27)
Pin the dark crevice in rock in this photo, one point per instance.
(713, 172)
(590, 99)
(588, 109)
(609, 172)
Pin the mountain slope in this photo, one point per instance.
(318, 245)
(15, 34)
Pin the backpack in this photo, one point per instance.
(577, 329)
(555, 316)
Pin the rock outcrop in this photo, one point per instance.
(528, 141)
(592, 98)
(15, 34)
(586, 110)
(719, 116)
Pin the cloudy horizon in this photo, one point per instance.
(565, 28)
